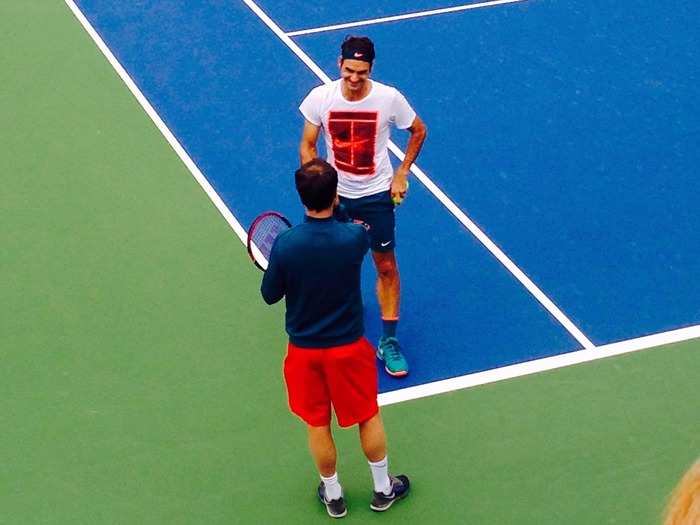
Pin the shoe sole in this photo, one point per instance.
(401, 373)
(336, 516)
(382, 509)
(328, 511)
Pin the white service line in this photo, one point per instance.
(437, 192)
(191, 166)
(406, 16)
(539, 365)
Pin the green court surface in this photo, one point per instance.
(140, 373)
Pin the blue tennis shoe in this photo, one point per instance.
(389, 351)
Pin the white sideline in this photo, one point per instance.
(539, 365)
(429, 389)
(437, 192)
(406, 16)
(189, 163)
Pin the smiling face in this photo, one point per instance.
(355, 75)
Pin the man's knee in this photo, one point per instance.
(387, 267)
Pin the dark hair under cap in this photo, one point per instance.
(357, 48)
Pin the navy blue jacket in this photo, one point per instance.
(316, 267)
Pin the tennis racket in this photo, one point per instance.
(262, 234)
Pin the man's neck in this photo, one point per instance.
(323, 214)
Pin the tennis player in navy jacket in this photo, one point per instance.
(316, 267)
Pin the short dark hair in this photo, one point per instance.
(357, 48)
(317, 184)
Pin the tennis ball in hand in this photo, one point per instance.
(399, 200)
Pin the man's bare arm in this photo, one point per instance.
(418, 132)
(309, 138)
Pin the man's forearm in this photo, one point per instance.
(415, 143)
(307, 152)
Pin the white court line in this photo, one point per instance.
(163, 128)
(406, 16)
(420, 390)
(191, 166)
(441, 196)
(539, 365)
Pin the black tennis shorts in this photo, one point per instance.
(377, 211)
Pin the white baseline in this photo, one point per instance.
(441, 196)
(418, 14)
(419, 391)
(538, 365)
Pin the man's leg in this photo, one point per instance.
(324, 454)
(389, 295)
(322, 449)
(388, 284)
(387, 489)
(377, 211)
(373, 438)
(310, 400)
(373, 441)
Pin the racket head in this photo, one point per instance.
(262, 234)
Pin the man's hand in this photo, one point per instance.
(399, 185)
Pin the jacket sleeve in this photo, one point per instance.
(273, 285)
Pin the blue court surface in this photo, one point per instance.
(568, 131)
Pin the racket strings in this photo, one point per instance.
(265, 233)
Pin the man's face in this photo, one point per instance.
(355, 73)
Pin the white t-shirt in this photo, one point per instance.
(357, 133)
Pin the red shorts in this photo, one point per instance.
(345, 376)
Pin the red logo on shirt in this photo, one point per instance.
(354, 135)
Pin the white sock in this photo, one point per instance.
(333, 488)
(380, 475)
